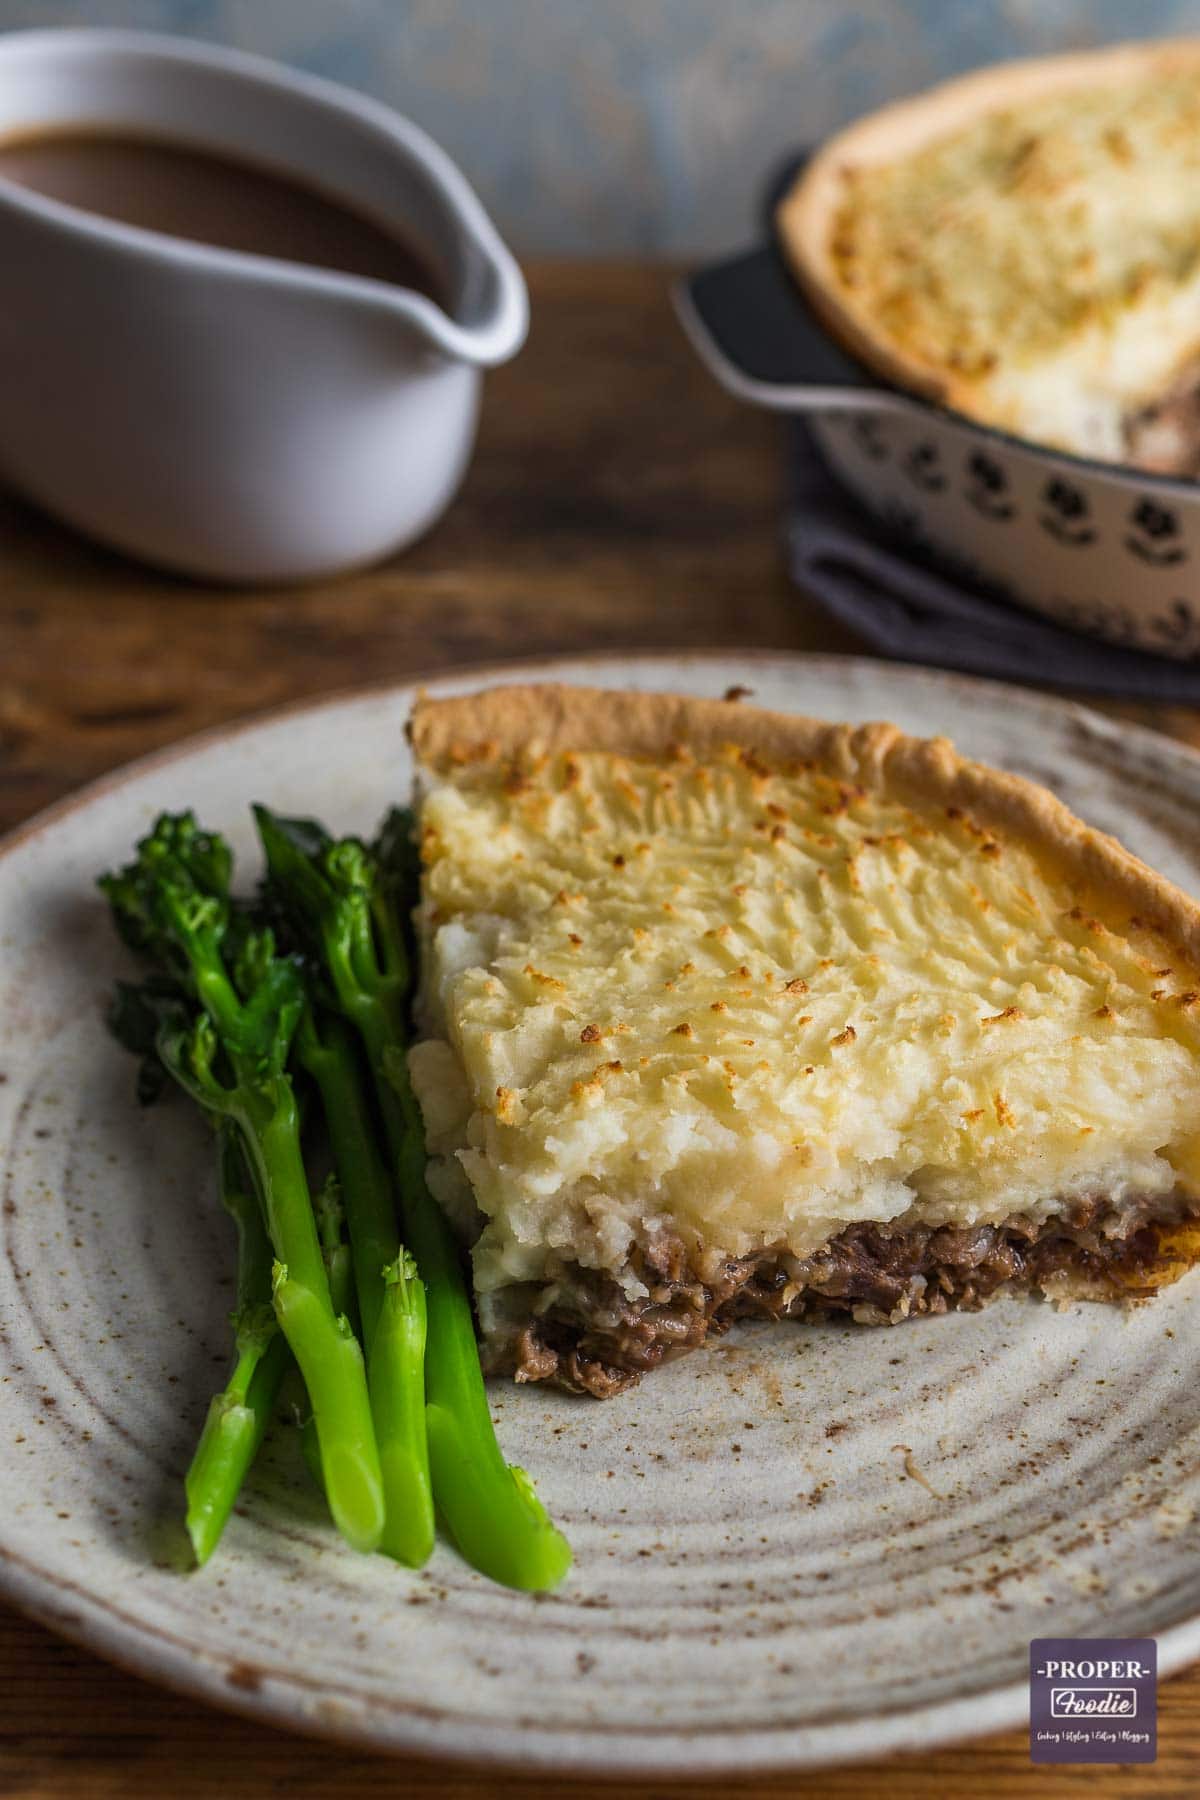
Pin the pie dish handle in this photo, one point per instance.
(753, 330)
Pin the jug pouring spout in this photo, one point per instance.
(486, 316)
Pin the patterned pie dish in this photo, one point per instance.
(990, 331)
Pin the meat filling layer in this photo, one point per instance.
(591, 1338)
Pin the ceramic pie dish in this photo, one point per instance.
(1023, 245)
(1098, 545)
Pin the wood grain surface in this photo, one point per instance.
(618, 500)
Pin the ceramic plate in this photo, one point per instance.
(804, 1544)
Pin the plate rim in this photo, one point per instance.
(68, 1608)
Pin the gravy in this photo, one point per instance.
(210, 198)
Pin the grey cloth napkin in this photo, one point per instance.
(906, 609)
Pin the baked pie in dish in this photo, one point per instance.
(1023, 245)
(726, 1012)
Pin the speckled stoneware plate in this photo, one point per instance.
(805, 1544)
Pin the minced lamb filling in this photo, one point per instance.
(1164, 438)
(585, 1334)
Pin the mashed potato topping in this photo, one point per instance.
(1027, 239)
(752, 1003)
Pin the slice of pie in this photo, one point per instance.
(1023, 244)
(726, 1012)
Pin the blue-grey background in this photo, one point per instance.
(637, 126)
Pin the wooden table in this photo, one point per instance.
(617, 500)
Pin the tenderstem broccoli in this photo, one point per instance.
(331, 1229)
(238, 1416)
(391, 1297)
(230, 1007)
(343, 907)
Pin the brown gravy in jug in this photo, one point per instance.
(210, 198)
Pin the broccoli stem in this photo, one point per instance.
(323, 1344)
(335, 1251)
(490, 1507)
(336, 893)
(233, 1432)
(296, 1407)
(392, 1305)
(311, 1451)
(237, 1417)
(332, 1368)
(398, 1395)
(237, 1195)
(327, 1052)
